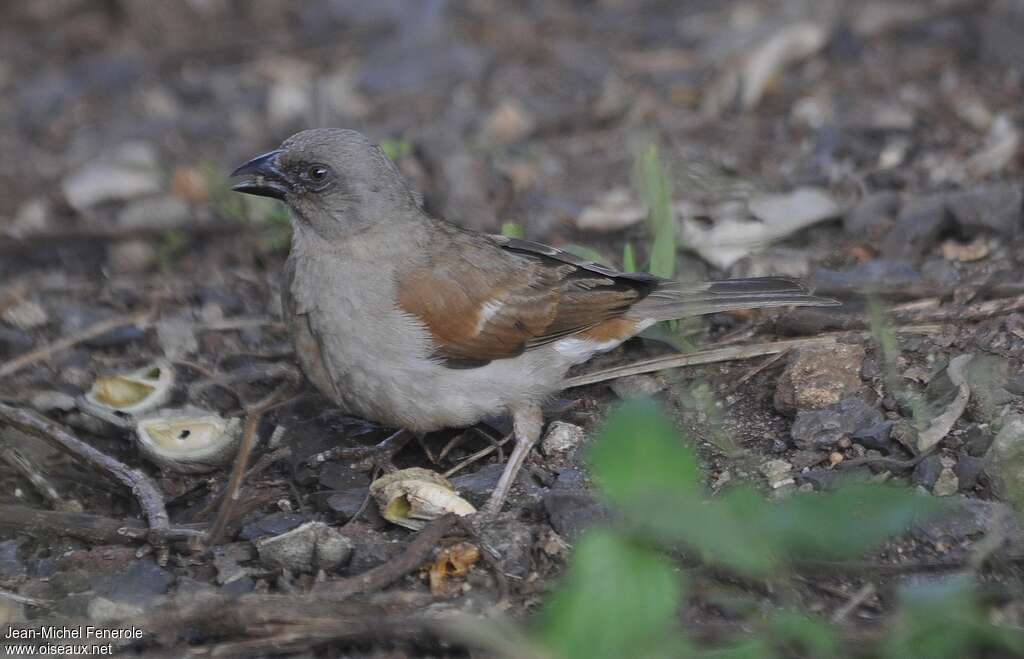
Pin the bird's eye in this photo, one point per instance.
(317, 173)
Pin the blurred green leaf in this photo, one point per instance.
(588, 253)
(943, 619)
(628, 258)
(656, 190)
(617, 599)
(639, 452)
(396, 149)
(513, 230)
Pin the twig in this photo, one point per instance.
(252, 422)
(482, 453)
(858, 598)
(21, 599)
(725, 354)
(91, 332)
(261, 465)
(144, 489)
(84, 526)
(43, 486)
(415, 554)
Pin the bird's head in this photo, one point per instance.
(333, 180)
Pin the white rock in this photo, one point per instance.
(562, 437)
(26, 315)
(128, 172)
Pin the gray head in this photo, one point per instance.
(335, 181)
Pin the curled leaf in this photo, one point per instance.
(412, 497)
(118, 398)
(189, 440)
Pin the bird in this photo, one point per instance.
(419, 324)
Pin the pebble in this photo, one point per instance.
(561, 438)
(637, 386)
(826, 427)
(819, 377)
(51, 401)
(26, 315)
(164, 212)
(270, 525)
(131, 257)
(872, 214)
(512, 540)
(510, 122)
(32, 217)
(307, 548)
(778, 473)
(927, 471)
(127, 172)
(572, 511)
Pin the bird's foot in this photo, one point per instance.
(527, 423)
(367, 458)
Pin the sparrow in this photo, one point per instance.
(416, 323)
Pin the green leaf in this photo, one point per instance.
(845, 523)
(639, 453)
(656, 190)
(513, 230)
(628, 258)
(396, 149)
(943, 619)
(618, 599)
(588, 253)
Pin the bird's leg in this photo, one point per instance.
(527, 422)
(378, 455)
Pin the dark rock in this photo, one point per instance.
(825, 427)
(977, 440)
(13, 342)
(927, 472)
(75, 319)
(872, 215)
(988, 375)
(239, 586)
(10, 565)
(964, 517)
(1015, 384)
(270, 525)
(968, 469)
(997, 207)
(570, 479)
(139, 584)
(228, 302)
(477, 486)
(941, 272)
(346, 503)
(341, 476)
(875, 436)
(370, 547)
(827, 480)
(870, 369)
(513, 542)
(573, 511)
(875, 276)
(919, 225)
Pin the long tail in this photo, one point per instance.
(672, 300)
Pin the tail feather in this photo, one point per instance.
(672, 300)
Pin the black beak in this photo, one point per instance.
(264, 177)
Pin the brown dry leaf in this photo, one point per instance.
(454, 561)
(977, 249)
(188, 184)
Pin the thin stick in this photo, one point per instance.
(42, 485)
(252, 422)
(858, 598)
(91, 332)
(374, 579)
(84, 526)
(144, 489)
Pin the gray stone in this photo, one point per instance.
(52, 401)
(968, 470)
(873, 214)
(512, 540)
(637, 386)
(477, 486)
(26, 315)
(927, 471)
(1006, 457)
(919, 225)
(825, 427)
(127, 172)
(307, 548)
(562, 438)
(996, 207)
(164, 212)
(131, 256)
(10, 565)
(875, 437)
(270, 525)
